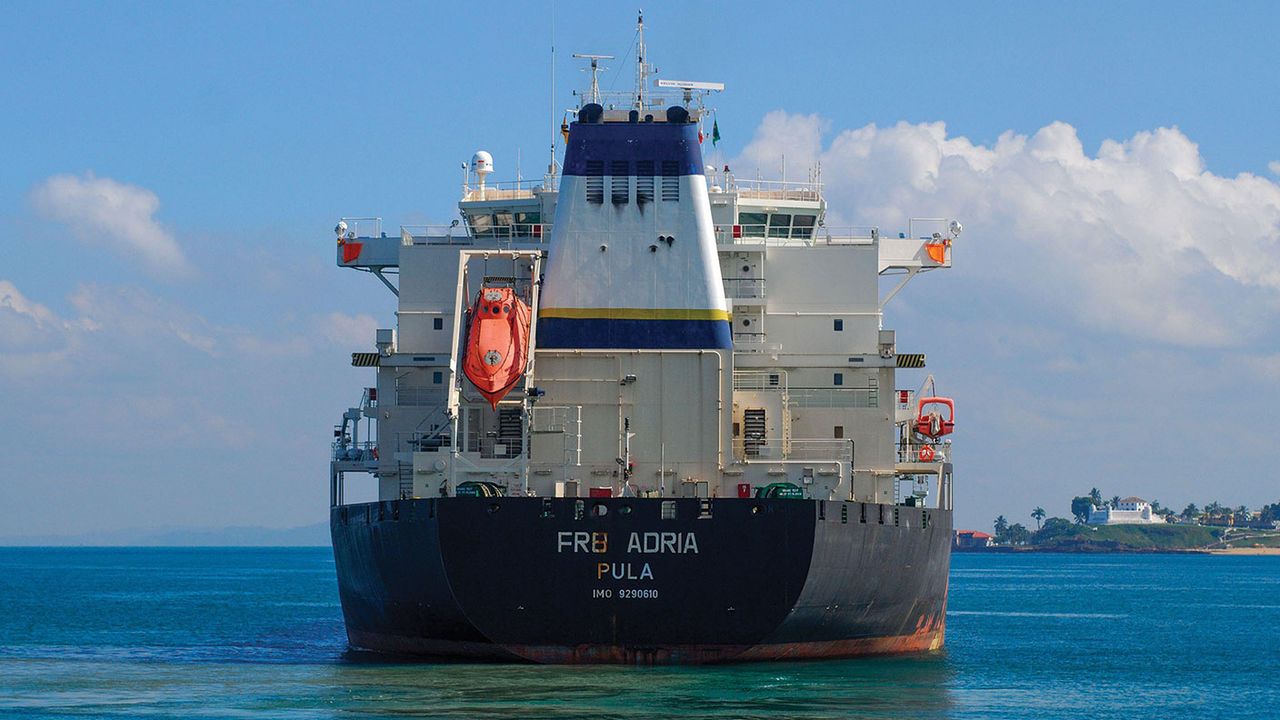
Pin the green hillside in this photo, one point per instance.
(1068, 536)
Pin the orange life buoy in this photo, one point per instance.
(926, 453)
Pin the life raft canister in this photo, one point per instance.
(926, 454)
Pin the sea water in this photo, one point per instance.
(257, 633)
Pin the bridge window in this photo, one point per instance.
(437, 323)
(779, 226)
(753, 224)
(437, 377)
(838, 325)
(802, 226)
(481, 225)
(838, 379)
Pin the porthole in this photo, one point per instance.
(746, 323)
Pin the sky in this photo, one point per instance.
(175, 337)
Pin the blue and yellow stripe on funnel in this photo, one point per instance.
(634, 328)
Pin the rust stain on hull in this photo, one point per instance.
(928, 638)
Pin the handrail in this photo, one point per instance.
(355, 452)
(821, 450)
(743, 287)
(354, 223)
(756, 234)
(521, 184)
(775, 380)
(910, 452)
(458, 235)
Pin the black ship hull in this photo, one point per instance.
(631, 580)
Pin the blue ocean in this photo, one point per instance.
(257, 633)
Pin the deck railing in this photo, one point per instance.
(821, 450)
(508, 189)
(458, 235)
(743, 287)
(362, 227)
(911, 452)
(773, 189)
(354, 452)
(738, 234)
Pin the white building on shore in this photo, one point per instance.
(1130, 511)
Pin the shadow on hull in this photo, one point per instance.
(640, 581)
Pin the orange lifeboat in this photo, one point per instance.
(497, 342)
(932, 423)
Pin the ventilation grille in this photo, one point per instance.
(670, 181)
(620, 183)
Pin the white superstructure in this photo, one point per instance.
(789, 376)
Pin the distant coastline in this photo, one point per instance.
(1102, 550)
(314, 535)
(1134, 525)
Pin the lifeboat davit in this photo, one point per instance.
(932, 423)
(497, 342)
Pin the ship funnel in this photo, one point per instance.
(632, 262)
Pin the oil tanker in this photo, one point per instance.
(641, 410)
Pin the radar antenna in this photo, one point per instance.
(692, 89)
(593, 95)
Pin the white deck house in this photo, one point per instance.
(1130, 511)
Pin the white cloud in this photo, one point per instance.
(131, 364)
(122, 216)
(355, 331)
(1138, 239)
(33, 337)
(131, 313)
(1274, 167)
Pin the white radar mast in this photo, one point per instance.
(481, 165)
(593, 95)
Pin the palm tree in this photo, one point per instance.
(1038, 514)
(1095, 496)
(1001, 528)
(1115, 501)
